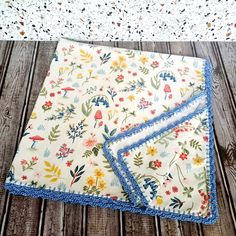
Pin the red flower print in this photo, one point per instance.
(202, 207)
(114, 197)
(167, 90)
(90, 142)
(153, 112)
(134, 74)
(168, 192)
(69, 163)
(24, 177)
(23, 162)
(183, 156)
(117, 105)
(64, 151)
(175, 189)
(121, 99)
(52, 82)
(99, 51)
(116, 121)
(120, 78)
(126, 154)
(157, 163)
(155, 64)
(205, 138)
(34, 158)
(59, 92)
(100, 123)
(97, 116)
(48, 104)
(52, 94)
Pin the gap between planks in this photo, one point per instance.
(20, 131)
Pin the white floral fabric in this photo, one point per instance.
(124, 129)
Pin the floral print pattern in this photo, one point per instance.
(93, 93)
(167, 176)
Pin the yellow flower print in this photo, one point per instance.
(123, 65)
(62, 70)
(183, 91)
(119, 64)
(152, 151)
(198, 160)
(143, 59)
(159, 200)
(33, 115)
(79, 76)
(121, 58)
(90, 71)
(90, 181)
(101, 185)
(131, 97)
(99, 173)
(115, 64)
(199, 75)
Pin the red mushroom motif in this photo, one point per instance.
(35, 138)
(66, 89)
(167, 90)
(97, 116)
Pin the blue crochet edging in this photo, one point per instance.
(214, 211)
(127, 206)
(113, 162)
(140, 142)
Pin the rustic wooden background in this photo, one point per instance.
(23, 66)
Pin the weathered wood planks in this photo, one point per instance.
(12, 102)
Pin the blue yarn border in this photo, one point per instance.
(125, 171)
(107, 202)
(155, 134)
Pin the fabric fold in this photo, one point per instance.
(122, 129)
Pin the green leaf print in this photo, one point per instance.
(195, 144)
(54, 134)
(87, 108)
(130, 53)
(176, 203)
(155, 82)
(138, 159)
(76, 174)
(104, 59)
(43, 92)
(107, 164)
(144, 70)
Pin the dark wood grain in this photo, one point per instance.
(12, 102)
(5, 53)
(19, 204)
(227, 55)
(224, 124)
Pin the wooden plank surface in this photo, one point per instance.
(23, 66)
(31, 207)
(12, 101)
(224, 125)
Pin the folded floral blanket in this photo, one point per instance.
(124, 129)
